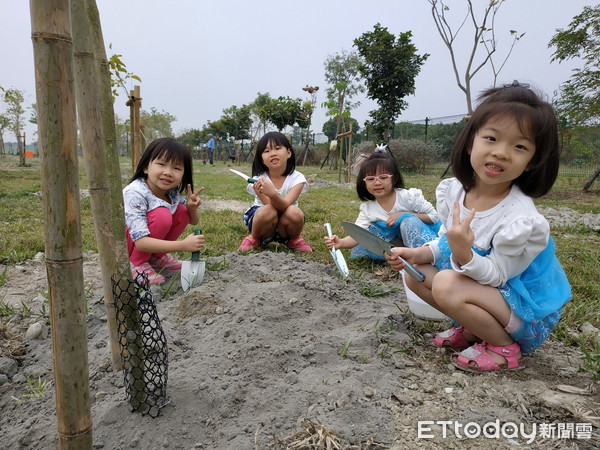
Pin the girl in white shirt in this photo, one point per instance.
(275, 215)
(493, 269)
(390, 211)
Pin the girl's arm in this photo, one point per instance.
(192, 243)
(268, 194)
(394, 216)
(337, 242)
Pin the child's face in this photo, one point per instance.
(500, 152)
(163, 175)
(275, 157)
(379, 184)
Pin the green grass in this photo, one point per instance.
(22, 225)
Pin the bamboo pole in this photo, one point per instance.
(88, 108)
(53, 56)
(119, 265)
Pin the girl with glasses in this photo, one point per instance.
(392, 212)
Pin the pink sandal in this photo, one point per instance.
(484, 362)
(452, 338)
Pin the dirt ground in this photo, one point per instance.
(275, 351)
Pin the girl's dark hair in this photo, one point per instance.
(171, 150)
(276, 138)
(535, 118)
(374, 164)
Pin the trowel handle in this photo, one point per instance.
(328, 228)
(196, 255)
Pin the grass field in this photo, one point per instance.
(22, 224)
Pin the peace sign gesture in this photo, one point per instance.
(460, 236)
(193, 201)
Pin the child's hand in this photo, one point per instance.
(460, 236)
(193, 243)
(264, 187)
(418, 255)
(394, 216)
(193, 201)
(331, 242)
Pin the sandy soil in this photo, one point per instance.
(271, 345)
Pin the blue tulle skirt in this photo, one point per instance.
(537, 295)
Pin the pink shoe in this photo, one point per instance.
(452, 338)
(299, 245)
(477, 359)
(167, 261)
(146, 268)
(249, 243)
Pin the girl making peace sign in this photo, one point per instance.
(493, 269)
(156, 213)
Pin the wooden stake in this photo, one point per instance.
(53, 56)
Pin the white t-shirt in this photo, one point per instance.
(291, 180)
(513, 233)
(406, 200)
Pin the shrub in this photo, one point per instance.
(414, 155)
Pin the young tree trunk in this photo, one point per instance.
(87, 89)
(588, 183)
(53, 55)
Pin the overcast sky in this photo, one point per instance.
(196, 57)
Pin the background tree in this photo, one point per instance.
(389, 67)
(580, 95)
(261, 111)
(14, 99)
(4, 124)
(157, 124)
(237, 121)
(285, 111)
(344, 82)
(484, 35)
(330, 128)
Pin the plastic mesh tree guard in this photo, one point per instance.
(143, 346)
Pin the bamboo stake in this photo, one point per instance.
(120, 263)
(53, 55)
(88, 108)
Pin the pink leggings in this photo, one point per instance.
(162, 225)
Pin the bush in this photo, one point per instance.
(414, 155)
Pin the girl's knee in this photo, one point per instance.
(446, 289)
(266, 214)
(293, 214)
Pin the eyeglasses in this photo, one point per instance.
(383, 177)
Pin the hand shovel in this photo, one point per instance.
(338, 258)
(192, 271)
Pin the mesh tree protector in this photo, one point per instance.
(143, 346)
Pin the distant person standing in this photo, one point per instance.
(210, 148)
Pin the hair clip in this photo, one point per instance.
(516, 83)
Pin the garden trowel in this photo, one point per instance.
(192, 271)
(338, 258)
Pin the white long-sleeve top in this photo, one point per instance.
(512, 233)
(406, 200)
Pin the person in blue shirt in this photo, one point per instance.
(210, 148)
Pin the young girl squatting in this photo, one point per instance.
(275, 215)
(493, 269)
(156, 213)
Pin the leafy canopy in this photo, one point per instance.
(389, 67)
(580, 95)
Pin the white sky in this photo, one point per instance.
(197, 58)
